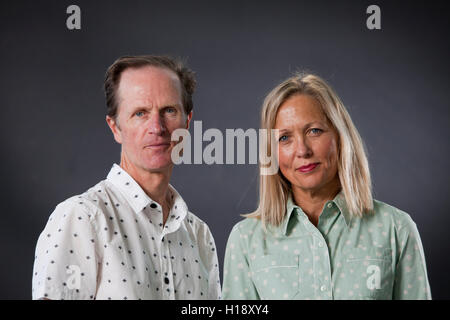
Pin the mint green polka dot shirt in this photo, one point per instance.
(378, 256)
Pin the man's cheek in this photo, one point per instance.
(131, 138)
(130, 143)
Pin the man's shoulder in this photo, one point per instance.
(195, 221)
(89, 202)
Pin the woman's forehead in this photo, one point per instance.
(299, 110)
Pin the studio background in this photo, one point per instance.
(55, 141)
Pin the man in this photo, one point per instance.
(131, 236)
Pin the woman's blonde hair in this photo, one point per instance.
(353, 167)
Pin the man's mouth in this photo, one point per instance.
(157, 145)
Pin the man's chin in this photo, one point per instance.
(158, 167)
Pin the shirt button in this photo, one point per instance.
(166, 280)
(323, 288)
(329, 205)
(153, 205)
(320, 244)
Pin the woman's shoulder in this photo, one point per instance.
(247, 226)
(396, 216)
(243, 233)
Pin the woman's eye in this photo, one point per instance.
(283, 138)
(316, 131)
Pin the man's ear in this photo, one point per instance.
(189, 117)
(114, 126)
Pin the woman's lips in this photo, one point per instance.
(308, 168)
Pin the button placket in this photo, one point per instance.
(166, 270)
(157, 210)
(327, 267)
(322, 266)
(314, 265)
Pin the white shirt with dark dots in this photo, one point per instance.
(110, 243)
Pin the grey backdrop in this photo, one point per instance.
(55, 142)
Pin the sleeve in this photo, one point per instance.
(209, 257)
(66, 260)
(411, 281)
(237, 281)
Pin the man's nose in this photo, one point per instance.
(156, 124)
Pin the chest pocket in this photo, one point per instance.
(276, 276)
(372, 273)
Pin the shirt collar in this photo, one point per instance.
(136, 196)
(291, 207)
(179, 208)
(341, 204)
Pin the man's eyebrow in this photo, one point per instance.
(169, 105)
(140, 108)
(133, 110)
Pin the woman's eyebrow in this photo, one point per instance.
(305, 126)
(310, 124)
(314, 123)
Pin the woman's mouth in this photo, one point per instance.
(308, 168)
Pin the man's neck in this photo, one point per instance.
(154, 183)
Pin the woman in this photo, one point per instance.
(317, 233)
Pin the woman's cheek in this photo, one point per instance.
(285, 159)
(330, 149)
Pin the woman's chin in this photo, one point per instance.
(308, 185)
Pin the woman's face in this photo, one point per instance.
(308, 145)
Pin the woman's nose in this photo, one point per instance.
(303, 149)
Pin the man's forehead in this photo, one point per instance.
(149, 75)
(148, 72)
(147, 82)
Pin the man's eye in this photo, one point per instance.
(139, 114)
(171, 110)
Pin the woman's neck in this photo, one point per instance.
(313, 201)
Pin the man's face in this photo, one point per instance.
(150, 109)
